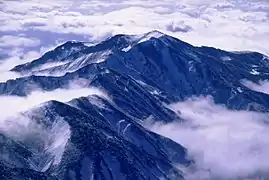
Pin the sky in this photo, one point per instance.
(29, 28)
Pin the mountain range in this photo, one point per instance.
(104, 137)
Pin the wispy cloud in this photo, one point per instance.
(46, 143)
(261, 86)
(224, 143)
(15, 58)
(73, 90)
(18, 41)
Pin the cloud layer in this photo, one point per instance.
(213, 23)
(15, 41)
(224, 143)
(37, 97)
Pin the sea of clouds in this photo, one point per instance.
(231, 25)
(224, 143)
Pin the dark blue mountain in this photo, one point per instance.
(103, 143)
(56, 55)
(164, 66)
(95, 137)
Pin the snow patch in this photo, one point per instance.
(50, 65)
(265, 57)
(127, 49)
(141, 82)
(107, 71)
(254, 72)
(226, 58)
(59, 136)
(125, 129)
(88, 44)
(191, 66)
(239, 89)
(103, 56)
(118, 125)
(155, 92)
(148, 36)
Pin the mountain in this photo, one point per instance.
(161, 64)
(97, 138)
(48, 59)
(92, 145)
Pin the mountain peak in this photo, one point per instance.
(145, 36)
(151, 34)
(70, 45)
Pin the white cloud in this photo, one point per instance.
(261, 86)
(16, 57)
(224, 143)
(37, 97)
(15, 41)
(211, 23)
(8, 75)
